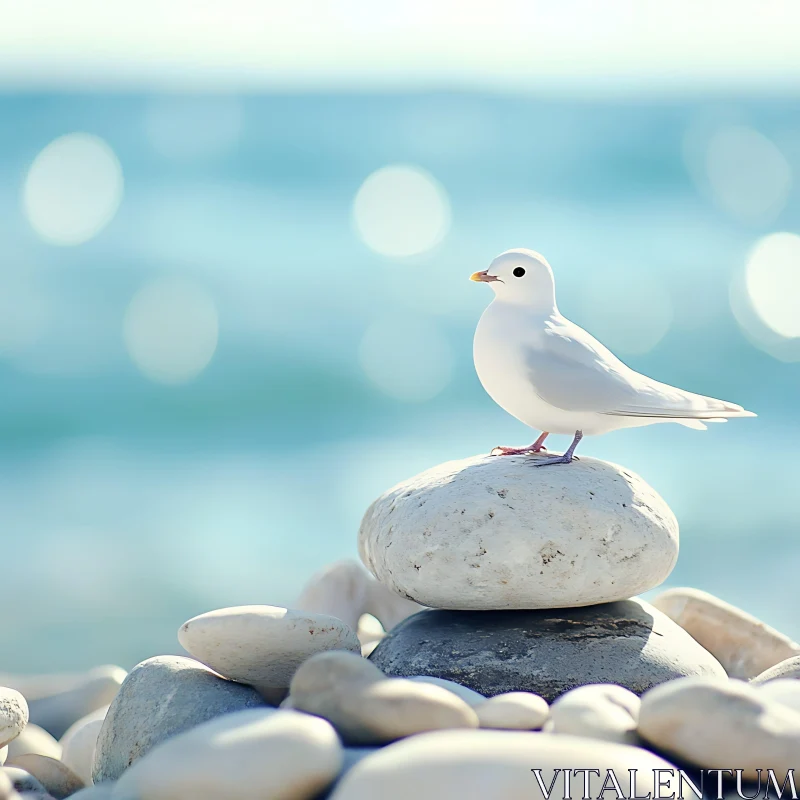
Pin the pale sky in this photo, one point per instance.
(613, 46)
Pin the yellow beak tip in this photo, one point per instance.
(476, 276)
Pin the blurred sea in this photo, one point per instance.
(130, 505)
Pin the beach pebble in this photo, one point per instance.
(788, 668)
(744, 645)
(97, 688)
(347, 591)
(367, 708)
(79, 743)
(24, 782)
(57, 778)
(629, 643)
(782, 690)
(599, 711)
(250, 755)
(455, 765)
(13, 715)
(469, 696)
(491, 533)
(103, 791)
(721, 724)
(263, 645)
(7, 790)
(34, 740)
(514, 711)
(162, 697)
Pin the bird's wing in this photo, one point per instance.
(572, 371)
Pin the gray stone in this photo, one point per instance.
(547, 652)
(161, 697)
(789, 668)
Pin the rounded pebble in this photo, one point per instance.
(455, 765)
(597, 711)
(250, 755)
(57, 778)
(788, 668)
(720, 725)
(79, 743)
(490, 533)
(13, 715)
(367, 708)
(263, 645)
(34, 740)
(513, 711)
(469, 696)
(744, 645)
(160, 698)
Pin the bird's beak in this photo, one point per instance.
(483, 277)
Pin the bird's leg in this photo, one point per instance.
(536, 447)
(566, 458)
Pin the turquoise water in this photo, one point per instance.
(129, 506)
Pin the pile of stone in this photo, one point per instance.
(499, 645)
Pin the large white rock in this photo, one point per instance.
(462, 765)
(721, 725)
(263, 645)
(744, 645)
(495, 533)
(249, 755)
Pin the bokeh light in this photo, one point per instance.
(748, 175)
(406, 358)
(630, 313)
(73, 189)
(401, 210)
(170, 330)
(772, 279)
(186, 128)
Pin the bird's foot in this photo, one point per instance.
(565, 459)
(517, 451)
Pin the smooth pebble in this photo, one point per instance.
(597, 711)
(513, 711)
(34, 740)
(788, 668)
(79, 742)
(56, 777)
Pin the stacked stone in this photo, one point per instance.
(502, 638)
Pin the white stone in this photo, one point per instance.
(744, 645)
(495, 533)
(59, 780)
(513, 711)
(79, 742)
(3, 755)
(347, 591)
(263, 645)
(13, 715)
(469, 696)
(788, 668)
(721, 725)
(597, 711)
(461, 765)
(365, 707)
(34, 740)
(248, 755)
(782, 690)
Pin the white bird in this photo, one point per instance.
(554, 376)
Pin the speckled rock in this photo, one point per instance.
(629, 643)
(456, 765)
(721, 724)
(251, 755)
(597, 711)
(79, 742)
(491, 533)
(34, 740)
(13, 715)
(162, 697)
(744, 645)
(514, 711)
(788, 668)
(57, 778)
(367, 708)
(95, 689)
(263, 645)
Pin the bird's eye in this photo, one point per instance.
(518, 272)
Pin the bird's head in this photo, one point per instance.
(520, 276)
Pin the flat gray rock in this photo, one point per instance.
(160, 698)
(547, 652)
